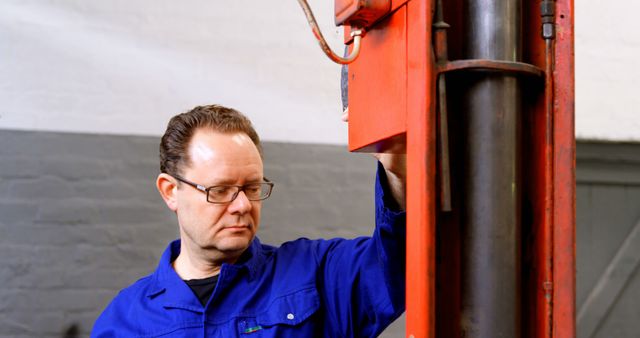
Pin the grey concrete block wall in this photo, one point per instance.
(80, 219)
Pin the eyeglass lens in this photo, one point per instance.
(254, 192)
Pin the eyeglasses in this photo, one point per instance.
(221, 194)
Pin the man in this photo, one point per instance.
(218, 280)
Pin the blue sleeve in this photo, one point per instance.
(362, 281)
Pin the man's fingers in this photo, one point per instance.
(345, 115)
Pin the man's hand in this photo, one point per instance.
(395, 165)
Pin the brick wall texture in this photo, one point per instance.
(80, 219)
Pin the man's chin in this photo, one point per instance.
(234, 245)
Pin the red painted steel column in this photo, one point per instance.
(564, 271)
(420, 173)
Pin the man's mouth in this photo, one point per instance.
(237, 227)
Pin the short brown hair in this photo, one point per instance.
(175, 141)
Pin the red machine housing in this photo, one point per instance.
(392, 102)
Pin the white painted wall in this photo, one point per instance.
(607, 47)
(125, 67)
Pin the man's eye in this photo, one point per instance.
(219, 191)
(253, 189)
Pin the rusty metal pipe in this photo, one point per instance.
(356, 34)
(491, 215)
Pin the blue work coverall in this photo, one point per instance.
(304, 288)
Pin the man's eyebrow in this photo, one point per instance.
(222, 181)
(228, 181)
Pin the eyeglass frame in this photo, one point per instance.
(205, 190)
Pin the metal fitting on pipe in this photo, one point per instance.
(547, 11)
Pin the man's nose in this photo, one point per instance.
(240, 204)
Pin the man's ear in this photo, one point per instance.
(167, 187)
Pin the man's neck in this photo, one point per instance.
(198, 264)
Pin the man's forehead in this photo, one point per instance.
(214, 149)
(207, 143)
(199, 151)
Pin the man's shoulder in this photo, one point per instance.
(289, 250)
(305, 247)
(304, 243)
(137, 289)
(123, 304)
(299, 244)
(134, 291)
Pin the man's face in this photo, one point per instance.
(219, 159)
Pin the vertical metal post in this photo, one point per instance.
(421, 171)
(491, 215)
(564, 179)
